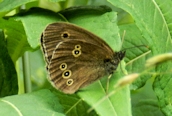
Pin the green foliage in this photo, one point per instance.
(17, 42)
(8, 76)
(34, 104)
(145, 23)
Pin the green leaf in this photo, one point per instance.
(8, 78)
(150, 22)
(35, 21)
(113, 105)
(147, 107)
(74, 105)
(40, 103)
(73, 12)
(145, 102)
(9, 5)
(16, 39)
(153, 19)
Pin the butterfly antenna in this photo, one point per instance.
(123, 38)
(135, 47)
(130, 47)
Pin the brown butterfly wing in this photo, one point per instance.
(79, 51)
(51, 37)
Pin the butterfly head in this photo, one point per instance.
(120, 55)
(112, 64)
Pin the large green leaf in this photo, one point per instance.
(40, 103)
(154, 21)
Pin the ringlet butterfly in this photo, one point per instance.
(75, 57)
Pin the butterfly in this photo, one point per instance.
(76, 57)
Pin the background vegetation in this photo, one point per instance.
(24, 89)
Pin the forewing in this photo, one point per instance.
(53, 35)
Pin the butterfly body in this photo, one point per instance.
(76, 57)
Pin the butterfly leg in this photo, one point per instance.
(107, 85)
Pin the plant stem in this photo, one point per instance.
(26, 73)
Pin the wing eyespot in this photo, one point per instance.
(77, 51)
(77, 46)
(66, 74)
(63, 66)
(65, 35)
(69, 82)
